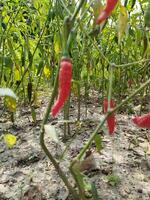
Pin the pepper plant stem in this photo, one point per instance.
(77, 10)
(49, 155)
(110, 86)
(57, 167)
(103, 121)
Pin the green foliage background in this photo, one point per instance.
(31, 41)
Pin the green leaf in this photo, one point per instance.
(7, 61)
(98, 142)
(40, 67)
(94, 191)
(113, 179)
(33, 113)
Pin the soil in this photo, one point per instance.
(120, 170)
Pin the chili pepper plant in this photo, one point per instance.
(71, 48)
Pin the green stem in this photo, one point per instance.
(104, 57)
(79, 102)
(65, 7)
(133, 63)
(42, 143)
(103, 121)
(2, 66)
(57, 167)
(66, 32)
(78, 24)
(81, 191)
(110, 86)
(77, 10)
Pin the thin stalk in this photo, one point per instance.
(103, 121)
(133, 63)
(96, 46)
(77, 25)
(65, 124)
(81, 190)
(2, 67)
(79, 101)
(86, 97)
(65, 7)
(11, 23)
(77, 10)
(110, 86)
(104, 57)
(42, 143)
(66, 117)
(30, 62)
(57, 167)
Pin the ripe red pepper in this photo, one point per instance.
(142, 121)
(65, 76)
(111, 118)
(110, 5)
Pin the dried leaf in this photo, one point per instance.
(87, 164)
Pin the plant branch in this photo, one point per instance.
(77, 10)
(103, 121)
(42, 143)
(57, 167)
(65, 7)
(133, 63)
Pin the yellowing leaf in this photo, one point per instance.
(46, 71)
(6, 19)
(56, 45)
(122, 22)
(10, 140)
(10, 103)
(16, 74)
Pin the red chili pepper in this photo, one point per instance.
(111, 118)
(142, 121)
(65, 76)
(110, 5)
